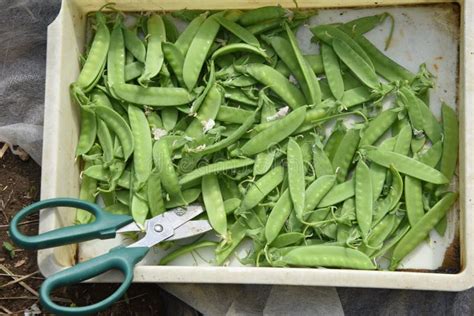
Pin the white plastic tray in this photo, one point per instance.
(430, 33)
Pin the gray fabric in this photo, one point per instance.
(23, 26)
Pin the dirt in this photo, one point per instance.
(19, 187)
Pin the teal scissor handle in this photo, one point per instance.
(104, 226)
(123, 259)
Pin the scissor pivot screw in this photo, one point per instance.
(158, 228)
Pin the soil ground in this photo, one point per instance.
(19, 187)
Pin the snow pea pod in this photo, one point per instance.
(198, 50)
(338, 193)
(296, 181)
(152, 96)
(377, 127)
(262, 14)
(332, 71)
(215, 168)
(278, 216)
(450, 141)
(170, 257)
(363, 198)
(238, 31)
(154, 54)
(134, 44)
(278, 131)
(328, 256)
(212, 197)
(185, 39)
(406, 165)
(421, 229)
(277, 82)
(345, 153)
(142, 153)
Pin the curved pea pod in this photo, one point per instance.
(230, 205)
(276, 81)
(409, 100)
(329, 33)
(432, 156)
(317, 190)
(431, 126)
(378, 235)
(278, 216)
(364, 24)
(271, 136)
(296, 181)
(315, 61)
(198, 51)
(155, 195)
(169, 117)
(383, 65)
(328, 256)
(237, 30)
(88, 131)
(134, 44)
(106, 142)
(345, 153)
(215, 168)
(139, 209)
(393, 197)
(152, 96)
(261, 188)
(116, 57)
(261, 14)
(356, 64)
(133, 70)
(422, 228)
(338, 193)
(404, 138)
(185, 39)
(406, 165)
(170, 257)
(154, 54)
(263, 162)
(363, 198)
(212, 197)
(355, 96)
(210, 82)
(172, 32)
(332, 71)
(310, 78)
(378, 173)
(321, 162)
(450, 141)
(175, 59)
(118, 126)
(164, 165)
(142, 154)
(96, 59)
(230, 114)
(87, 192)
(413, 200)
(377, 127)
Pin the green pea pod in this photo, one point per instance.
(356, 96)
(175, 59)
(402, 146)
(214, 168)
(315, 61)
(164, 165)
(345, 153)
(189, 196)
(86, 193)
(237, 233)
(420, 231)
(378, 235)
(239, 47)
(198, 51)
(406, 165)
(261, 188)
(377, 127)
(296, 181)
(152, 96)
(338, 193)
(106, 142)
(276, 81)
(393, 197)
(332, 71)
(185, 39)
(154, 54)
(142, 154)
(134, 44)
(364, 24)
(278, 131)
(88, 131)
(133, 70)
(321, 163)
(116, 57)
(328, 256)
(450, 141)
(287, 239)
(212, 197)
(317, 190)
(118, 126)
(172, 32)
(309, 76)
(96, 59)
(278, 216)
(262, 14)
(363, 198)
(155, 195)
(139, 209)
(356, 64)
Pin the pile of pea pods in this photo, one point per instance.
(332, 159)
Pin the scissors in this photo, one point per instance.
(172, 225)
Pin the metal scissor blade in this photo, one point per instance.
(163, 226)
(192, 210)
(191, 228)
